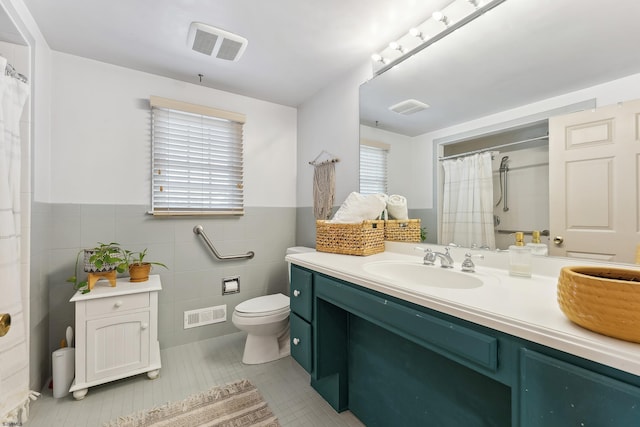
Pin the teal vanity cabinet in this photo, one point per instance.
(554, 392)
(392, 362)
(301, 304)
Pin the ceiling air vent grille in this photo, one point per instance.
(213, 41)
(409, 106)
(204, 42)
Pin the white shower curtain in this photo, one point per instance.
(467, 205)
(14, 360)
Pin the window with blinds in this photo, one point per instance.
(373, 167)
(197, 164)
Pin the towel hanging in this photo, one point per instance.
(328, 158)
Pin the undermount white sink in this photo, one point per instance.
(416, 274)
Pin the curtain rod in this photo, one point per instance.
(11, 72)
(539, 138)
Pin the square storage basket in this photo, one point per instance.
(366, 238)
(402, 230)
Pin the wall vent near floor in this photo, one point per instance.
(205, 316)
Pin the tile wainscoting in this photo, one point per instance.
(192, 281)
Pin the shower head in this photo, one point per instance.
(503, 164)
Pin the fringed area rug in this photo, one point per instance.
(236, 404)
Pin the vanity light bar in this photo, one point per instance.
(441, 24)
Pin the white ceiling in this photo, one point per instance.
(296, 47)
(521, 52)
(8, 32)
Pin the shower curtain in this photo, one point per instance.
(467, 205)
(14, 360)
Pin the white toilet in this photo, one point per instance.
(266, 321)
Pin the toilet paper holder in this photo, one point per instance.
(230, 285)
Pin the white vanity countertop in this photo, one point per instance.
(522, 307)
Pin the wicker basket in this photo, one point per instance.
(604, 300)
(366, 238)
(406, 230)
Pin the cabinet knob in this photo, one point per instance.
(118, 304)
(558, 240)
(296, 341)
(296, 293)
(144, 326)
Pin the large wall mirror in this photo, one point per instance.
(502, 78)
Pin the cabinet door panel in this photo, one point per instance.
(301, 345)
(117, 345)
(556, 393)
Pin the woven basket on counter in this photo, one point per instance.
(601, 299)
(402, 230)
(366, 238)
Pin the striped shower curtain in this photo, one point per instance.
(467, 203)
(14, 360)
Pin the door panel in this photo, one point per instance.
(117, 345)
(593, 174)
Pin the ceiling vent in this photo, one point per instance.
(409, 106)
(213, 41)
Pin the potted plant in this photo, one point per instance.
(139, 268)
(103, 258)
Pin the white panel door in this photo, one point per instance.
(117, 345)
(593, 183)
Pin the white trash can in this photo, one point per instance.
(63, 361)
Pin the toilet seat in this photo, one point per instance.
(263, 306)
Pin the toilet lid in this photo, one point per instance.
(264, 304)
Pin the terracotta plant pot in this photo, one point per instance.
(139, 272)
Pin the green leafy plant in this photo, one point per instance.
(103, 255)
(138, 258)
(423, 234)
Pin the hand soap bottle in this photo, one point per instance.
(537, 248)
(520, 257)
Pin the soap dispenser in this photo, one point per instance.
(537, 248)
(520, 257)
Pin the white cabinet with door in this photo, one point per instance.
(116, 333)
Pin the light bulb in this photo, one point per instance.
(416, 33)
(376, 57)
(396, 46)
(439, 16)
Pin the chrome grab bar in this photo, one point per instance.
(199, 230)
(542, 232)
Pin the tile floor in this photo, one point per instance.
(189, 369)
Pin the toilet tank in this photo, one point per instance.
(296, 250)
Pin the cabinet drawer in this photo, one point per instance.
(301, 295)
(116, 304)
(301, 342)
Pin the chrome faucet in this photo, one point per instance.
(468, 265)
(445, 258)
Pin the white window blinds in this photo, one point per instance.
(373, 168)
(197, 165)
